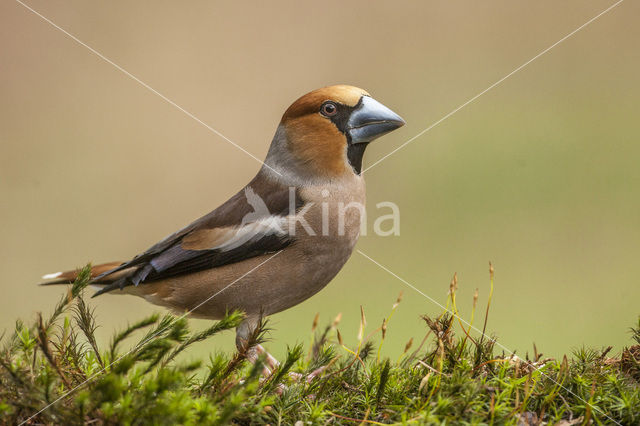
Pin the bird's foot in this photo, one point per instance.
(308, 378)
(270, 361)
(271, 364)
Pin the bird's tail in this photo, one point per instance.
(68, 277)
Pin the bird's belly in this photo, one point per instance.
(295, 281)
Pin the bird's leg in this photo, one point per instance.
(246, 333)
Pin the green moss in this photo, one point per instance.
(54, 372)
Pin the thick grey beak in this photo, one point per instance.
(372, 120)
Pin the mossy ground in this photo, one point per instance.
(54, 372)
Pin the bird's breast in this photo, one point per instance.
(331, 213)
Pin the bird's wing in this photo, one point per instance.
(251, 223)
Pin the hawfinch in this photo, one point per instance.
(280, 239)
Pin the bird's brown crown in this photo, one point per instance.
(312, 101)
(313, 138)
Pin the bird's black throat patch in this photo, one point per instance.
(355, 152)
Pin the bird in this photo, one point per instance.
(281, 238)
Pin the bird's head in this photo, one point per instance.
(325, 132)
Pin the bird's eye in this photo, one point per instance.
(329, 109)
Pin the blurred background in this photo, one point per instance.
(539, 175)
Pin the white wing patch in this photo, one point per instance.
(272, 225)
(231, 237)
